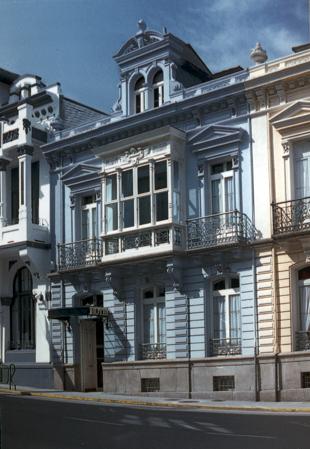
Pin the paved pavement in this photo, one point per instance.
(155, 401)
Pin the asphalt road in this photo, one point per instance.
(32, 423)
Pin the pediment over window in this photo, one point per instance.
(296, 117)
(82, 173)
(213, 136)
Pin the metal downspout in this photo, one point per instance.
(255, 309)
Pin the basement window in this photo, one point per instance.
(150, 385)
(223, 383)
(305, 379)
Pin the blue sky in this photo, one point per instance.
(73, 41)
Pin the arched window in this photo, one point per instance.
(158, 89)
(140, 92)
(226, 311)
(23, 312)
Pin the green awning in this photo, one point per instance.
(64, 313)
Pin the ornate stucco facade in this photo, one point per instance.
(175, 251)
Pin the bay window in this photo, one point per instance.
(137, 197)
(111, 208)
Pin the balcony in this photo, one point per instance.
(153, 351)
(149, 240)
(225, 346)
(79, 254)
(302, 341)
(219, 230)
(291, 216)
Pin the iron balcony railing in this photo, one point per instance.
(291, 216)
(79, 254)
(220, 229)
(225, 346)
(147, 238)
(153, 351)
(302, 341)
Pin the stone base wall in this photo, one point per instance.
(39, 375)
(175, 377)
(275, 377)
(67, 377)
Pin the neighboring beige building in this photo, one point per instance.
(278, 93)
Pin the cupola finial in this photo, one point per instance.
(141, 26)
(258, 54)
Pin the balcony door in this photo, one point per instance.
(222, 188)
(89, 217)
(226, 316)
(154, 323)
(302, 171)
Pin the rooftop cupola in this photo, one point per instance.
(153, 65)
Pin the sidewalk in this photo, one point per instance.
(151, 401)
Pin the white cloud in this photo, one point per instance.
(225, 31)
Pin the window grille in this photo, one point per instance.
(305, 379)
(150, 385)
(223, 383)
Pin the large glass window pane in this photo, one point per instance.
(176, 192)
(216, 189)
(143, 179)
(35, 191)
(160, 175)
(85, 224)
(127, 185)
(94, 221)
(14, 194)
(111, 189)
(229, 194)
(144, 210)
(161, 206)
(111, 217)
(161, 316)
(149, 323)
(128, 214)
(304, 306)
(219, 317)
(235, 318)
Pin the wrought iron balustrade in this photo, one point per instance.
(291, 216)
(146, 238)
(153, 351)
(219, 229)
(79, 254)
(302, 341)
(225, 346)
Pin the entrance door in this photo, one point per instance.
(88, 355)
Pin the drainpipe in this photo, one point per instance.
(275, 299)
(255, 308)
(189, 349)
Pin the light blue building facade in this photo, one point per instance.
(153, 286)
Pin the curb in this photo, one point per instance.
(157, 404)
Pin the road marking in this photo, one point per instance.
(110, 423)
(213, 426)
(158, 422)
(181, 423)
